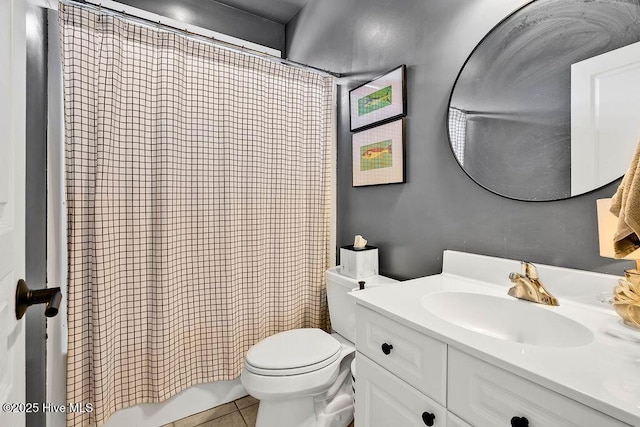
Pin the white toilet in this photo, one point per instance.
(302, 377)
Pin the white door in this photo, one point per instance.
(12, 200)
(605, 117)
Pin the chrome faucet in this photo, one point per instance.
(528, 286)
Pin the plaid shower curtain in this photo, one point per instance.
(198, 198)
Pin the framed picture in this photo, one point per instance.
(380, 100)
(378, 155)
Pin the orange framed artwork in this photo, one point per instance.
(378, 155)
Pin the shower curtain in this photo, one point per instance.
(199, 205)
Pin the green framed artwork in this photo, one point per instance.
(381, 100)
(378, 155)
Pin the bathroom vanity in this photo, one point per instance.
(455, 350)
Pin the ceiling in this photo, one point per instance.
(281, 11)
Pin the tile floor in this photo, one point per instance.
(239, 413)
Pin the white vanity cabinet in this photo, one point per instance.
(489, 396)
(406, 378)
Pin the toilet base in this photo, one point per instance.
(333, 408)
(339, 411)
(302, 412)
(287, 413)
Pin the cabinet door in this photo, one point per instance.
(487, 396)
(454, 421)
(383, 400)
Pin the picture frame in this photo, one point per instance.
(378, 155)
(381, 100)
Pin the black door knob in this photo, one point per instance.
(428, 418)
(519, 422)
(26, 297)
(386, 348)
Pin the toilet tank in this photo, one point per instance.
(341, 305)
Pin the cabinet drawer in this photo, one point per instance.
(384, 401)
(484, 395)
(415, 358)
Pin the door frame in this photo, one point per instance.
(36, 205)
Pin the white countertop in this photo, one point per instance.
(604, 374)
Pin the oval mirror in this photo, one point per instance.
(547, 106)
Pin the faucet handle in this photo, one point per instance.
(529, 270)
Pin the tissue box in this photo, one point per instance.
(359, 263)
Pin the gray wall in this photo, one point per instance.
(439, 207)
(218, 17)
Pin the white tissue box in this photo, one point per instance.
(359, 263)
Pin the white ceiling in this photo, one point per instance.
(281, 11)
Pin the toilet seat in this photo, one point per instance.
(294, 352)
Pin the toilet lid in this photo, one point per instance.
(293, 352)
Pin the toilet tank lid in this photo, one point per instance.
(293, 349)
(336, 275)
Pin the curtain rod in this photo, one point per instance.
(210, 40)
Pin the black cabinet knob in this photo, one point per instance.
(428, 418)
(386, 348)
(519, 422)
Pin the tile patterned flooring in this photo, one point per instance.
(239, 413)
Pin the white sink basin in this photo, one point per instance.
(507, 319)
